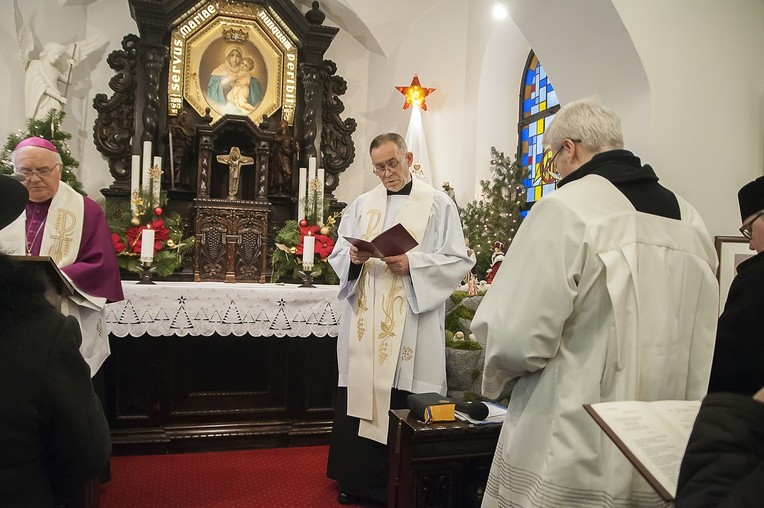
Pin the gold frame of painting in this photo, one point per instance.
(235, 59)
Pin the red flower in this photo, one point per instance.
(324, 246)
(117, 241)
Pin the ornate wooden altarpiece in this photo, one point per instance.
(165, 92)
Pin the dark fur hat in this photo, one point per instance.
(751, 198)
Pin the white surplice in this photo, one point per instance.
(436, 269)
(594, 302)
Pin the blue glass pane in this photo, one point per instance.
(538, 96)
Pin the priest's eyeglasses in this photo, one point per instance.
(39, 172)
(390, 166)
(550, 168)
(747, 229)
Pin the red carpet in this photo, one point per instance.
(278, 477)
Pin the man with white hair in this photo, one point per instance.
(613, 297)
(72, 230)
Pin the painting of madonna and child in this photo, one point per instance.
(236, 77)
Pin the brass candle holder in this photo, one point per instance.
(307, 276)
(145, 276)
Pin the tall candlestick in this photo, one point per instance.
(302, 202)
(147, 246)
(311, 187)
(308, 250)
(172, 162)
(135, 182)
(156, 181)
(311, 205)
(146, 175)
(320, 197)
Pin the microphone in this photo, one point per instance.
(475, 410)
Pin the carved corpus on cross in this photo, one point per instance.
(235, 160)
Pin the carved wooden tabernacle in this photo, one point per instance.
(232, 239)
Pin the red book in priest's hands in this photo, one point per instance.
(392, 242)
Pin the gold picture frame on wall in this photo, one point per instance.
(731, 250)
(233, 59)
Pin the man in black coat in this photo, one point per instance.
(738, 364)
(723, 466)
(53, 433)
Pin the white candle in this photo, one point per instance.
(320, 197)
(156, 182)
(135, 181)
(145, 176)
(312, 165)
(301, 203)
(308, 250)
(311, 205)
(172, 163)
(147, 246)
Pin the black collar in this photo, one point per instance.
(404, 191)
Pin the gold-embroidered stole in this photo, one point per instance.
(62, 235)
(379, 315)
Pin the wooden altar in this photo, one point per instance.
(219, 366)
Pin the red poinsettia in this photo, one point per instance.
(119, 246)
(324, 246)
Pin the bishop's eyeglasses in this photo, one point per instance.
(39, 172)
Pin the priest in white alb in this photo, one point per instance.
(391, 337)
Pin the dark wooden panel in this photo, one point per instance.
(443, 464)
(204, 393)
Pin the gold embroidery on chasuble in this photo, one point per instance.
(362, 304)
(65, 228)
(387, 337)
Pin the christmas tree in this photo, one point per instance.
(47, 128)
(496, 216)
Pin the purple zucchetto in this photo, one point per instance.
(38, 142)
(750, 197)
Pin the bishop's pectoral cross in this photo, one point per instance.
(235, 160)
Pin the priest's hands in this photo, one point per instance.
(399, 265)
(358, 257)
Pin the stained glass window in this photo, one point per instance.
(538, 104)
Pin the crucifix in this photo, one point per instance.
(235, 160)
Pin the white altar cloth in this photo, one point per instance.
(207, 308)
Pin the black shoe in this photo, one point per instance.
(343, 498)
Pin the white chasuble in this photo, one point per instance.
(379, 313)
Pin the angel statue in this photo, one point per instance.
(52, 67)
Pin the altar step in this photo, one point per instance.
(219, 437)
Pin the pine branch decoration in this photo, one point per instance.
(496, 216)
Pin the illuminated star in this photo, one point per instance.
(415, 94)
